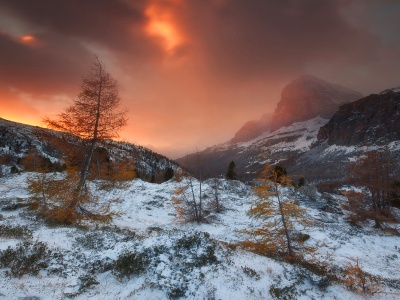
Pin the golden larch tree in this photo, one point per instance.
(278, 216)
(94, 116)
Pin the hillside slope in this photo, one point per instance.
(17, 140)
(185, 261)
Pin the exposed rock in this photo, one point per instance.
(374, 119)
(331, 203)
(310, 191)
(308, 97)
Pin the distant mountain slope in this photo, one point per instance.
(306, 104)
(271, 147)
(252, 129)
(308, 97)
(17, 139)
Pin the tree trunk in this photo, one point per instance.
(85, 171)
(288, 240)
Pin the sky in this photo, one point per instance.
(190, 72)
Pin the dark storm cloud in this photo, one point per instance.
(101, 21)
(253, 38)
(66, 32)
(48, 69)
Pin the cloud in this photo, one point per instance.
(192, 72)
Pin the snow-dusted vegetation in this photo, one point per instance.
(145, 252)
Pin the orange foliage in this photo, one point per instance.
(278, 215)
(53, 195)
(359, 281)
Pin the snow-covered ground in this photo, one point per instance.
(187, 261)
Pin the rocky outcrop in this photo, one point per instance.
(374, 119)
(308, 97)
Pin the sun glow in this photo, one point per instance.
(161, 25)
(24, 119)
(27, 39)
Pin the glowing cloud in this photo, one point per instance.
(27, 38)
(161, 25)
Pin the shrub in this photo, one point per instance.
(285, 293)
(251, 273)
(359, 281)
(189, 241)
(191, 244)
(86, 282)
(91, 241)
(130, 263)
(26, 258)
(16, 232)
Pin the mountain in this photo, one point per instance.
(17, 140)
(308, 97)
(374, 119)
(370, 123)
(306, 104)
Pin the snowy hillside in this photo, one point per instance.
(17, 140)
(181, 261)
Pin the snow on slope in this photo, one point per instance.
(305, 134)
(146, 222)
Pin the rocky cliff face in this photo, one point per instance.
(374, 119)
(308, 97)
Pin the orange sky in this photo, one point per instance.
(191, 73)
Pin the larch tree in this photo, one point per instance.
(278, 216)
(94, 116)
(375, 172)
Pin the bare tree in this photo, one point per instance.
(216, 185)
(188, 200)
(94, 117)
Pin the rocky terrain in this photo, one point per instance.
(373, 120)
